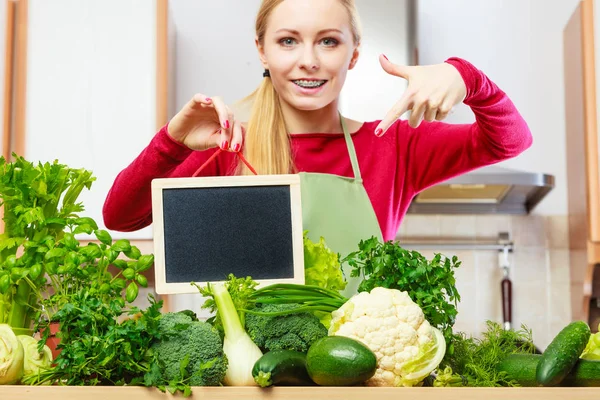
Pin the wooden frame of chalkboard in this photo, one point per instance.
(208, 227)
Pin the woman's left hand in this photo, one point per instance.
(433, 90)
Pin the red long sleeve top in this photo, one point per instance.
(394, 168)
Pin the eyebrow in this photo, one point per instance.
(295, 32)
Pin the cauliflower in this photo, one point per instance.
(387, 321)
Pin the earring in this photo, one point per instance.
(266, 73)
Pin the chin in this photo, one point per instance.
(308, 104)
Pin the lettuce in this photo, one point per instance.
(592, 350)
(322, 266)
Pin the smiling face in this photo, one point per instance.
(308, 48)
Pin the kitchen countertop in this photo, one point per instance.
(294, 393)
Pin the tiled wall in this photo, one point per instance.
(543, 284)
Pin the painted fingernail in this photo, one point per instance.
(236, 148)
(378, 132)
(384, 56)
(208, 99)
(226, 124)
(225, 145)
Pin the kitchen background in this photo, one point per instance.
(95, 96)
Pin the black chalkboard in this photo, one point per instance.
(208, 232)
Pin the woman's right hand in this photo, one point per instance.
(204, 123)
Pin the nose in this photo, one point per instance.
(309, 59)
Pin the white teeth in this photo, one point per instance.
(309, 84)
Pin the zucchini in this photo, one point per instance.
(522, 368)
(562, 353)
(340, 361)
(281, 367)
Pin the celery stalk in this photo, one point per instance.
(18, 316)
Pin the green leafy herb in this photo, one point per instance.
(42, 264)
(430, 284)
(474, 361)
(97, 349)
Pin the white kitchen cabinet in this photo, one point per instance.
(92, 86)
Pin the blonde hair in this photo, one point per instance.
(267, 143)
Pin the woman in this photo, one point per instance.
(369, 170)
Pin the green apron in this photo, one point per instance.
(338, 209)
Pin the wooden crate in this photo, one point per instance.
(296, 393)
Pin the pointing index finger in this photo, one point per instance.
(396, 112)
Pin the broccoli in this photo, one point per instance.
(181, 336)
(285, 332)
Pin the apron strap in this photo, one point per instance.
(351, 151)
(219, 150)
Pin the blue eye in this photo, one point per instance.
(330, 42)
(287, 41)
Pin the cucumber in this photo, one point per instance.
(562, 353)
(522, 368)
(585, 373)
(340, 361)
(281, 367)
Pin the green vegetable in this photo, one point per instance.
(97, 345)
(281, 367)
(430, 284)
(474, 360)
(591, 351)
(35, 360)
(39, 252)
(562, 353)
(131, 292)
(11, 356)
(310, 298)
(287, 332)
(522, 368)
(340, 361)
(242, 353)
(322, 266)
(183, 338)
(240, 290)
(584, 373)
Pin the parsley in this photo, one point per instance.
(430, 284)
(97, 349)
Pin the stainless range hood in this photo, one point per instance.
(488, 190)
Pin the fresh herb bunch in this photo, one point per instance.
(72, 267)
(430, 284)
(474, 361)
(37, 201)
(41, 221)
(97, 349)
